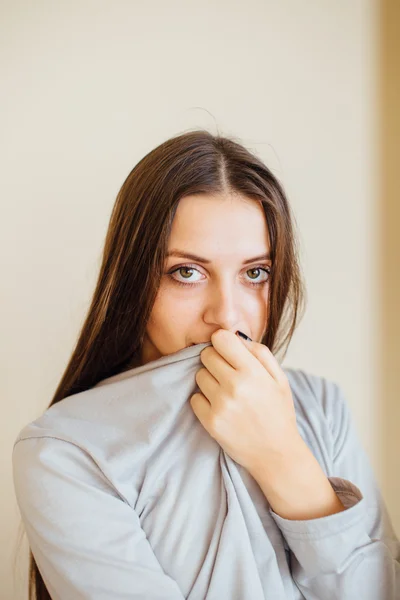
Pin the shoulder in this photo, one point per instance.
(90, 435)
(81, 419)
(55, 447)
(48, 471)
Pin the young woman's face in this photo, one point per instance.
(224, 287)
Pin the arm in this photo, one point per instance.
(287, 480)
(86, 541)
(335, 553)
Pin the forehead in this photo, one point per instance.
(220, 227)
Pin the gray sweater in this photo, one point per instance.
(124, 495)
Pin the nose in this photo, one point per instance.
(223, 307)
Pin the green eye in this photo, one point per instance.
(252, 270)
(185, 269)
(189, 269)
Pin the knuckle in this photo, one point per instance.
(238, 388)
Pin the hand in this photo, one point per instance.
(246, 403)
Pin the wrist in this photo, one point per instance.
(295, 485)
(272, 463)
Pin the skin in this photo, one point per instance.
(228, 230)
(245, 401)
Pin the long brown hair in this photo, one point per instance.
(195, 162)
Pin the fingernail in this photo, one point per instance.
(244, 336)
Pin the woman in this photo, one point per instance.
(177, 458)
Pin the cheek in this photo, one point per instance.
(256, 302)
(172, 312)
(256, 312)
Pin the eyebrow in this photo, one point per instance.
(196, 258)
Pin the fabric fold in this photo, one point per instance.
(121, 483)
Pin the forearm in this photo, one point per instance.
(295, 485)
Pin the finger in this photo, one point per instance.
(267, 359)
(229, 346)
(208, 385)
(201, 408)
(216, 364)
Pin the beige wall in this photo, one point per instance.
(389, 280)
(88, 88)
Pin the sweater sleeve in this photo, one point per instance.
(87, 542)
(354, 553)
